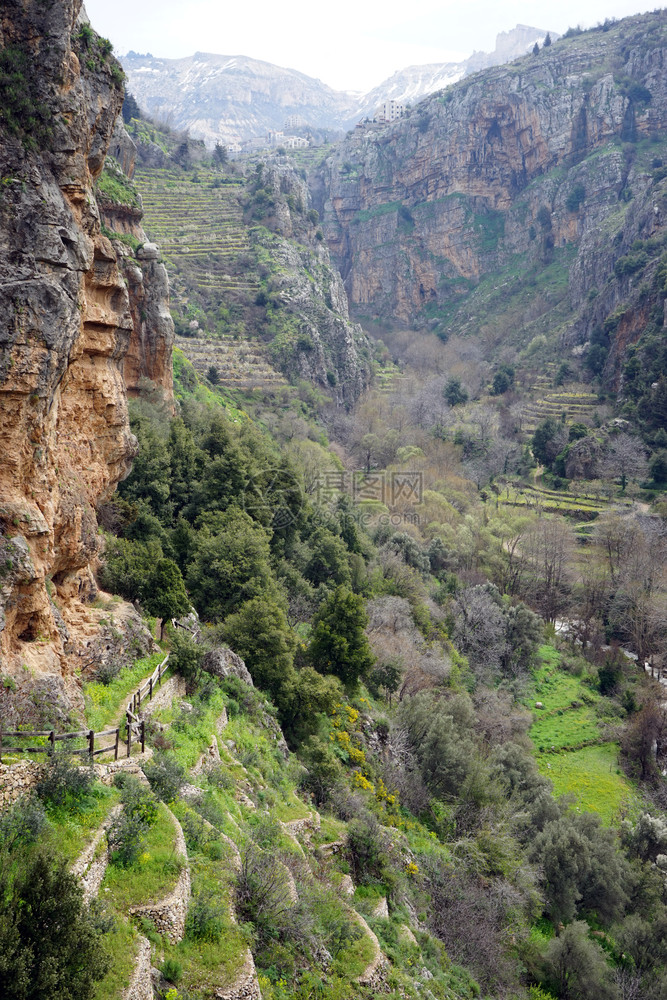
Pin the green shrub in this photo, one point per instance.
(165, 775)
(49, 946)
(218, 775)
(22, 113)
(22, 823)
(366, 849)
(575, 198)
(126, 834)
(206, 917)
(172, 970)
(64, 780)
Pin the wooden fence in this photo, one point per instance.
(135, 728)
(147, 688)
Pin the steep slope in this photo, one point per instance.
(255, 294)
(415, 82)
(65, 327)
(550, 161)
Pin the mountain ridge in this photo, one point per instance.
(187, 92)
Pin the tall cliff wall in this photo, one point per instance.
(65, 327)
(516, 160)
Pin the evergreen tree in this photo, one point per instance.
(339, 645)
(454, 392)
(130, 108)
(166, 597)
(49, 946)
(259, 632)
(220, 156)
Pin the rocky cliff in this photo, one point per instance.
(305, 309)
(503, 170)
(149, 353)
(65, 327)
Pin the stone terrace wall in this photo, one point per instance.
(16, 779)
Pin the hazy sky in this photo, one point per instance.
(348, 44)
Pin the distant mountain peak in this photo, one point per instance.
(234, 98)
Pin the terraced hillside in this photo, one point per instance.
(581, 506)
(198, 224)
(237, 363)
(572, 404)
(253, 291)
(197, 221)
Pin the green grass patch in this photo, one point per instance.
(213, 960)
(350, 962)
(573, 727)
(290, 808)
(73, 827)
(557, 688)
(377, 210)
(154, 875)
(121, 944)
(191, 733)
(593, 776)
(331, 829)
(113, 186)
(105, 703)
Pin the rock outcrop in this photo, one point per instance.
(518, 160)
(224, 662)
(65, 327)
(149, 352)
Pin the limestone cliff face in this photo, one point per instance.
(149, 353)
(416, 213)
(150, 350)
(308, 309)
(65, 326)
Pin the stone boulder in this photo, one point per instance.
(148, 251)
(222, 662)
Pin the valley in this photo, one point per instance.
(341, 437)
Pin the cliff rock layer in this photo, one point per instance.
(520, 159)
(307, 309)
(65, 325)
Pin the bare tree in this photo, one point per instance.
(480, 630)
(626, 459)
(547, 548)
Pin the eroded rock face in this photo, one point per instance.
(65, 326)
(330, 349)
(223, 662)
(149, 355)
(417, 212)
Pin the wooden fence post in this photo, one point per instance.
(150, 688)
(91, 743)
(52, 741)
(139, 697)
(143, 735)
(129, 734)
(115, 749)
